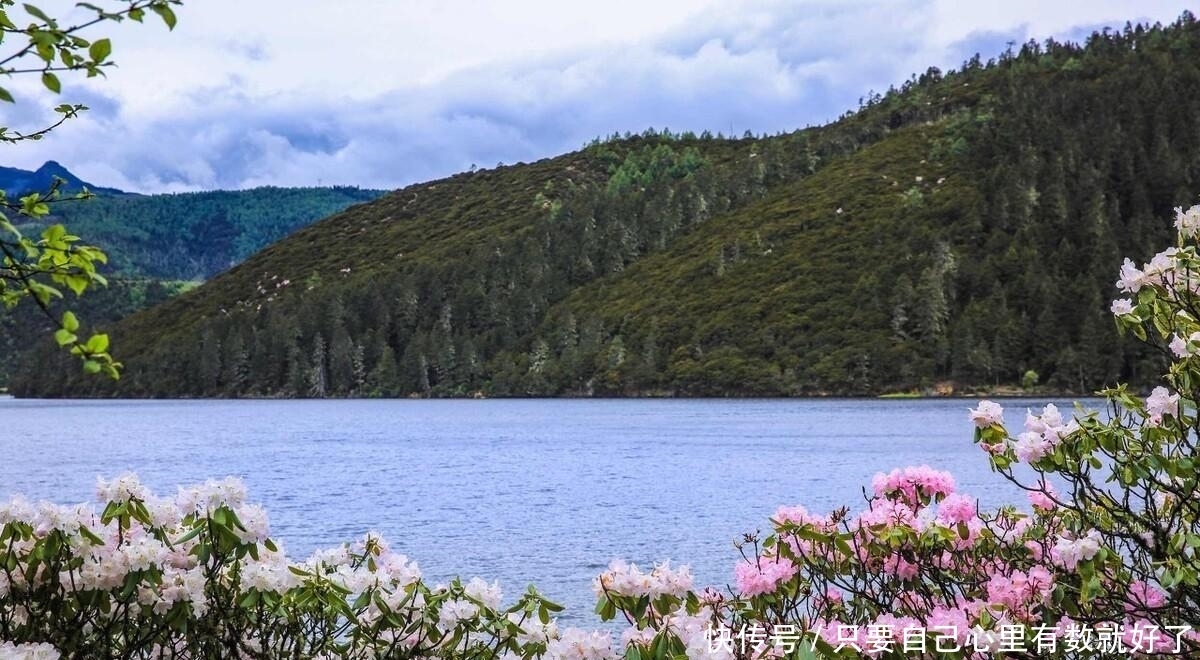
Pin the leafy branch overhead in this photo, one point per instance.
(33, 42)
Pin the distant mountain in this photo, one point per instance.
(17, 182)
(964, 228)
(194, 236)
(159, 245)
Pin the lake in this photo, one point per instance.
(532, 490)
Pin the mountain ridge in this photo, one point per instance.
(965, 228)
(18, 182)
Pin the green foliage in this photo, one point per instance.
(194, 236)
(1029, 379)
(41, 269)
(55, 48)
(960, 229)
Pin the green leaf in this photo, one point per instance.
(51, 82)
(5, 96)
(69, 322)
(64, 337)
(38, 14)
(100, 50)
(166, 14)
(97, 343)
(190, 535)
(77, 283)
(91, 366)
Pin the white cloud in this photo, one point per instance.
(382, 94)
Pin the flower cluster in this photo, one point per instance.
(197, 576)
(913, 484)
(622, 579)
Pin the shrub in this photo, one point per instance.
(196, 576)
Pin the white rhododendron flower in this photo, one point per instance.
(122, 489)
(488, 594)
(41, 651)
(1132, 279)
(254, 521)
(987, 413)
(624, 579)
(532, 630)
(1031, 447)
(576, 644)
(1069, 552)
(454, 611)
(213, 494)
(1188, 222)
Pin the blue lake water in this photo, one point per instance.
(541, 491)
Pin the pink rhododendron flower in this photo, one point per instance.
(886, 512)
(1159, 403)
(762, 576)
(39, 651)
(913, 483)
(453, 611)
(993, 448)
(800, 516)
(1042, 433)
(957, 509)
(900, 567)
(1143, 596)
(1147, 637)
(1049, 418)
(488, 594)
(1121, 306)
(1043, 500)
(1035, 550)
(1021, 593)
(1188, 222)
(122, 489)
(1184, 348)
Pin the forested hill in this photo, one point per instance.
(966, 227)
(193, 236)
(158, 243)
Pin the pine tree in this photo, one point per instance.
(318, 376)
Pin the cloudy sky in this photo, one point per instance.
(382, 93)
